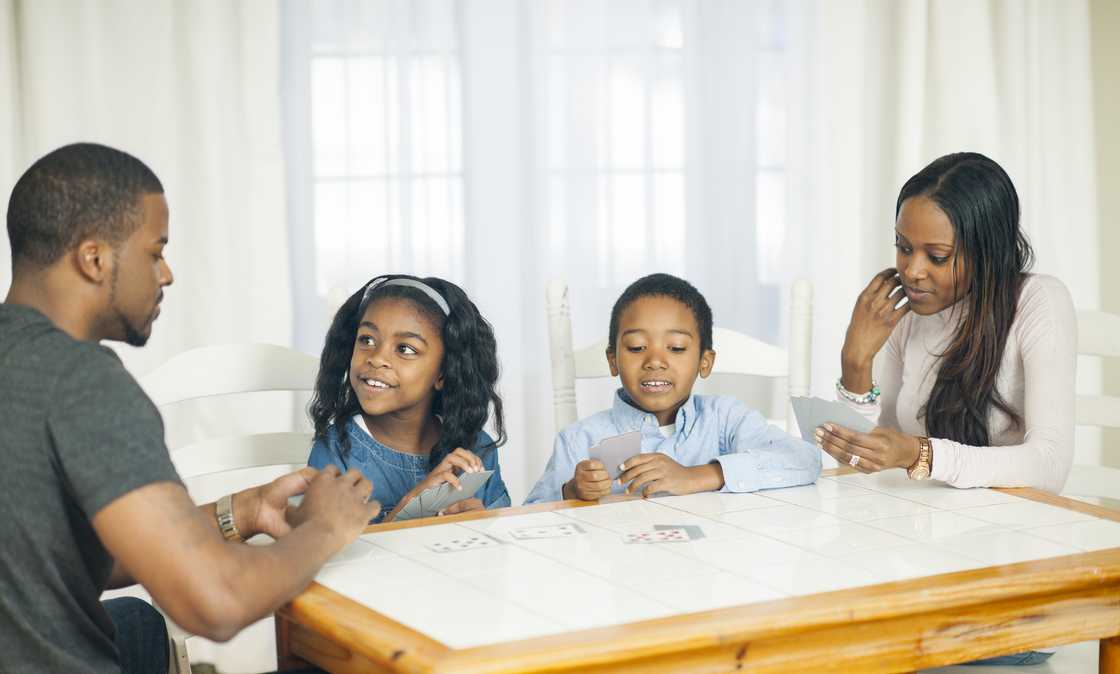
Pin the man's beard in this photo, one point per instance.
(132, 336)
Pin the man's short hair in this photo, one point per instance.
(665, 285)
(76, 192)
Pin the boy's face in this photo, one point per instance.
(658, 355)
(397, 359)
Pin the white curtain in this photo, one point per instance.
(191, 89)
(740, 144)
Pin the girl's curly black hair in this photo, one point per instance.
(470, 366)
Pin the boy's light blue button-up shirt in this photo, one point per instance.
(753, 454)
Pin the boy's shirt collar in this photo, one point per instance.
(627, 417)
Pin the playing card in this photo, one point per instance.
(694, 532)
(814, 412)
(471, 482)
(464, 543)
(548, 531)
(616, 449)
(437, 496)
(411, 510)
(663, 535)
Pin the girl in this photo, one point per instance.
(971, 381)
(406, 380)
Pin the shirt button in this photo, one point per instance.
(742, 485)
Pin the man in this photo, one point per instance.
(88, 494)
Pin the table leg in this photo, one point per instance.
(1110, 656)
(284, 658)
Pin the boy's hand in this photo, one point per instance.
(649, 474)
(590, 482)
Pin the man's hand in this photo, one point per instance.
(590, 482)
(649, 474)
(263, 509)
(339, 502)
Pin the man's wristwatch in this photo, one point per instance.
(226, 522)
(921, 468)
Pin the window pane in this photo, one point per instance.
(667, 110)
(771, 110)
(669, 222)
(328, 115)
(770, 223)
(627, 112)
(368, 131)
(430, 115)
(628, 226)
(332, 224)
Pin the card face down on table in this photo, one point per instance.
(431, 502)
(814, 412)
(614, 450)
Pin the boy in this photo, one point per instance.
(660, 341)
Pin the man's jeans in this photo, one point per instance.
(141, 636)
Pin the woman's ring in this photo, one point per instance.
(853, 461)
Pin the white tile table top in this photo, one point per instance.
(847, 531)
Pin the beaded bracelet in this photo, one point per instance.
(859, 399)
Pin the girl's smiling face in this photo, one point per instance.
(658, 355)
(928, 260)
(396, 364)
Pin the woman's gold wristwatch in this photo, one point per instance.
(921, 468)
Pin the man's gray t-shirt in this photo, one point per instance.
(76, 433)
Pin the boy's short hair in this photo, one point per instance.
(77, 191)
(665, 285)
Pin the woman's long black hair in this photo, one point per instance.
(470, 366)
(980, 201)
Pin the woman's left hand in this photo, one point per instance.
(878, 450)
(463, 506)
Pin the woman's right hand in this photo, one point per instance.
(873, 318)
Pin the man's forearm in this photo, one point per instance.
(257, 580)
(244, 512)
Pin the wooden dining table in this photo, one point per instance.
(858, 573)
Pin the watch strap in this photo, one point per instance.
(226, 522)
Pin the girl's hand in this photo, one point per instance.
(463, 506)
(460, 461)
(878, 450)
(873, 318)
(455, 463)
(652, 473)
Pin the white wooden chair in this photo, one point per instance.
(213, 467)
(1098, 334)
(737, 354)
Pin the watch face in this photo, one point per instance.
(919, 473)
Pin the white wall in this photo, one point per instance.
(1105, 16)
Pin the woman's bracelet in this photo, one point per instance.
(859, 399)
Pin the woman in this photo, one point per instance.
(963, 360)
